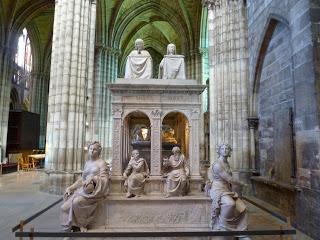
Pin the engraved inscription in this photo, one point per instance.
(169, 215)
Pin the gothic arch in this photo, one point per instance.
(166, 14)
(270, 26)
(15, 100)
(28, 12)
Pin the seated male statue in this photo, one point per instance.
(172, 66)
(136, 175)
(177, 173)
(139, 62)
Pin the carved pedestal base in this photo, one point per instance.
(154, 213)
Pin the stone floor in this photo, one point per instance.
(20, 198)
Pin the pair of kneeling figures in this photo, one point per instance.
(176, 174)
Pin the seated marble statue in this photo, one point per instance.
(228, 210)
(177, 172)
(135, 175)
(172, 66)
(139, 62)
(82, 197)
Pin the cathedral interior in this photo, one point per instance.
(259, 60)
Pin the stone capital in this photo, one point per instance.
(253, 122)
(106, 49)
(211, 4)
(156, 113)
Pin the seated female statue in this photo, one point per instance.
(177, 173)
(82, 197)
(228, 210)
(135, 175)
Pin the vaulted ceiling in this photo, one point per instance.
(119, 23)
(34, 15)
(157, 22)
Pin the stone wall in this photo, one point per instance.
(283, 69)
(275, 98)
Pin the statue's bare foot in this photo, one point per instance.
(83, 229)
(129, 195)
(167, 195)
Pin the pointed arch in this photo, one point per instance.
(269, 29)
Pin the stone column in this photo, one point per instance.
(228, 61)
(253, 124)
(6, 73)
(156, 143)
(39, 101)
(70, 84)
(106, 71)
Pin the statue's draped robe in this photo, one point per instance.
(172, 67)
(139, 65)
(83, 206)
(137, 170)
(219, 189)
(177, 183)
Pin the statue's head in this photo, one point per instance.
(176, 150)
(224, 150)
(139, 44)
(171, 49)
(95, 149)
(135, 154)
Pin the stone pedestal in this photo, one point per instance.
(190, 213)
(155, 98)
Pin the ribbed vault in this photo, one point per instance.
(157, 22)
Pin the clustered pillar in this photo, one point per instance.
(39, 101)
(106, 65)
(70, 100)
(228, 62)
(6, 73)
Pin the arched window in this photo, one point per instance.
(23, 66)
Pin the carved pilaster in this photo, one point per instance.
(194, 143)
(116, 143)
(156, 142)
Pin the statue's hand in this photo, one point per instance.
(125, 176)
(67, 193)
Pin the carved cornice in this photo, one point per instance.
(211, 4)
